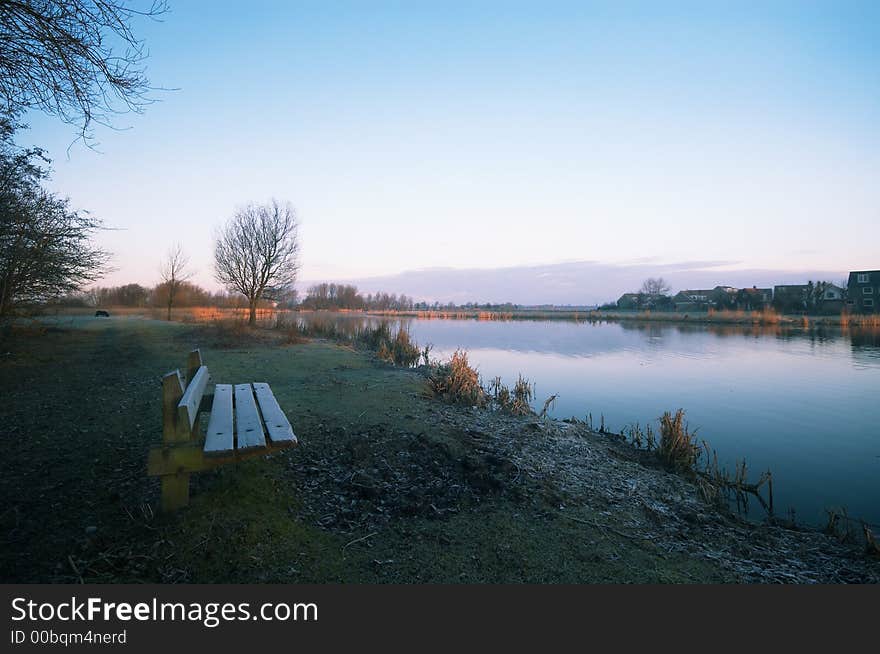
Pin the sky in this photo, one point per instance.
(499, 136)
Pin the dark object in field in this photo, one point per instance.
(102, 314)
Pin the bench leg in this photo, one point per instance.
(175, 491)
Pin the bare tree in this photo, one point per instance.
(45, 249)
(75, 59)
(174, 272)
(257, 253)
(652, 286)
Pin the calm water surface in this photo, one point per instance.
(803, 403)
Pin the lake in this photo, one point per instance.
(804, 403)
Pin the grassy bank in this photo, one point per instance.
(388, 484)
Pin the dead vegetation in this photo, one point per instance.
(457, 382)
(680, 451)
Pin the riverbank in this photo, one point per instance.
(758, 318)
(387, 485)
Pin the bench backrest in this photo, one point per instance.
(181, 403)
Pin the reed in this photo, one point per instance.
(457, 382)
(517, 401)
(400, 350)
(679, 449)
(678, 445)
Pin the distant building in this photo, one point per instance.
(863, 291)
(754, 298)
(832, 299)
(791, 298)
(724, 297)
(720, 297)
(644, 301)
(692, 300)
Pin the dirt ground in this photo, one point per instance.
(387, 484)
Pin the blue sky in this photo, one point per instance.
(496, 135)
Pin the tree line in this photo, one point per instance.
(141, 297)
(346, 296)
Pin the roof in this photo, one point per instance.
(696, 291)
(790, 288)
(873, 277)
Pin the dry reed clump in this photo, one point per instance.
(768, 316)
(678, 446)
(865, 320)
(642, 440)
(400, 350)
(517, 401)
(292, 332)
(679, 450)
(842, 527)
(457, 382)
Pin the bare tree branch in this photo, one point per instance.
(75, 59)
(658, 286)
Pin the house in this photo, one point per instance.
(702, 299)
(754, 298)
(649, 301)
(791, 298)
(724, 297)
(832, 299)
(833, 292)
(692, 300)
(863, 291)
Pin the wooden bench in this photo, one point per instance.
(242, 416)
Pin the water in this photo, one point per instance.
(803, 403)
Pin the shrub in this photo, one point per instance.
(457, 382)
(678, 446)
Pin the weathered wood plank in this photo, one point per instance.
(175, 492)
(184, 459)
(193, 363)
(277, 425)
(172, 391)
(219, 437)
(188, 408)
(248, 426)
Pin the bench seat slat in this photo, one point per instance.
(219, 437)
(248, 426)
(277, 425)
(192, 398)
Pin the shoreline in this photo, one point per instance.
(745, 318)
